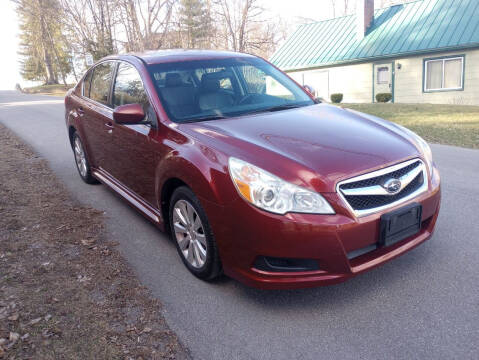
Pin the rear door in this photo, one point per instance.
(96, 113)
(134, 154)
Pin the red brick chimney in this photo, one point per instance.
(365, 16)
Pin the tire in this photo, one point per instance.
(194, 240)
(81, 160)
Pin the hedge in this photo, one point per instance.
(384, 97)
(336, 98)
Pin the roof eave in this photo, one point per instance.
(383, 57)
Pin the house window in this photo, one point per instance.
(383, 75)
(444, 74)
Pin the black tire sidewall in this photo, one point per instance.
(211, 268)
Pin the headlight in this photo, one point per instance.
(426, 150)
(270, 193)
(423, 145)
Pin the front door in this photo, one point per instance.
(134, 158)
(383, 79)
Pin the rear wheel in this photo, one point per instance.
(81, 160)
(192, 234)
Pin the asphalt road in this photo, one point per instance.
(424, 305)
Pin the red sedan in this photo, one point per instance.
(250, 175)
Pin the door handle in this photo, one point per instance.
(80, 111)
(109, 126)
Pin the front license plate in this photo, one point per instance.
(400, 224)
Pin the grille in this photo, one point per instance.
(362, 202)
(380, 179)
(374, 197)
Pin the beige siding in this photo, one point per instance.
(409, 79)
(355, 81)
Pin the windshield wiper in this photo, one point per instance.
(219, 117)
(205, 118)
(278, 108)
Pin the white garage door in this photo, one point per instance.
(319, 80)
(297, 76)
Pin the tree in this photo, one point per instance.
(195, 23)
(245, 28)
(146, 23)
(105, 27)
(90, 25)
(342, 7)
(45, 53)
(57, 34)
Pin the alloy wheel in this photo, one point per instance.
(189, 233)
(80, 158)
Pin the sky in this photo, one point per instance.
(9, 69)
(291, 10)
(9, 59)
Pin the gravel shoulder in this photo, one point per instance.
(65, 291)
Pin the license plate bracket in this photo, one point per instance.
(400, 224)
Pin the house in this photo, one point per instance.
(425, 51)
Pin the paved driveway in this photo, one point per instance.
(424, 305)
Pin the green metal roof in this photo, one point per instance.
(417, 27)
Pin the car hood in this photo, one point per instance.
(316, 145)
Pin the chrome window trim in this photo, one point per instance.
(103, 106)
(360, 213)
(83, 85)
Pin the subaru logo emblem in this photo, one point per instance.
(392, 186)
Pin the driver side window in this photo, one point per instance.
(129, 87)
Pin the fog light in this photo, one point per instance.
(276, 264)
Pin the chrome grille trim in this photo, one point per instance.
(379, 190)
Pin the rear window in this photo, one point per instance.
(101, 82)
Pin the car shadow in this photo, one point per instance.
(371, 283)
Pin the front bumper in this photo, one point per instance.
(244, 232)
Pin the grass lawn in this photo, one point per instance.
(443, 124)
(55, 90)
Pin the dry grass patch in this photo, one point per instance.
(54, 90)
(443, 124)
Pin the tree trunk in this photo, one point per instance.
(52, 44)
(51, 77)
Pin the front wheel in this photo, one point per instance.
(193, 236)
(81, 161)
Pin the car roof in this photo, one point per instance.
(163, 56)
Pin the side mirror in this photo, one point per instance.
(129, 114)
(310, 89)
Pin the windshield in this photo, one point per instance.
(211, 89)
